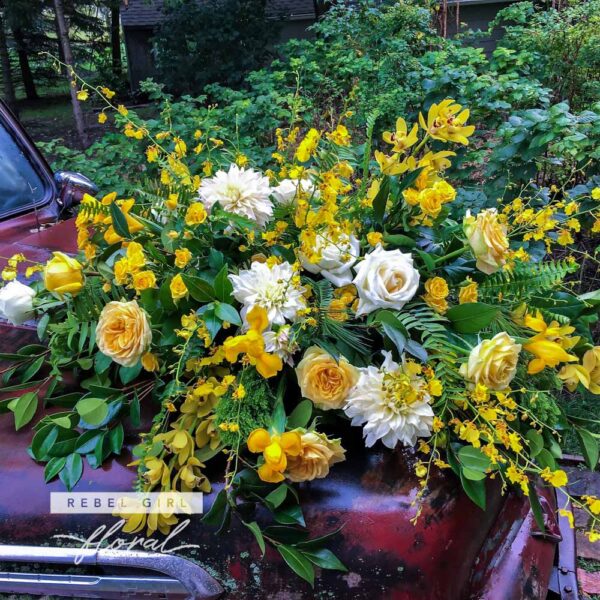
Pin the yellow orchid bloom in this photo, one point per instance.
(390, 165)
(446, 122)
(591, 362)
(401, 138)
(252, 345)
(547, 353)
(573, 375)
(275, 450)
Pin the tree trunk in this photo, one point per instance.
(28, 82)
(7, 80)
(115, 37)
(63, 36)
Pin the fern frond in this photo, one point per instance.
(525, 280)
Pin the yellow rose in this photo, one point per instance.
(437, 288)
(144, 280)
(182, 257)
(468, 293)
(150, 362)
(123, 332)
(110, 235)
(493, 363)
(323, 380)
(63, 275)
(487, 236)
(196, 214)
(178, 288)
(317, 455)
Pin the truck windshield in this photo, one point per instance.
(21, 187)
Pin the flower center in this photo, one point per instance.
(399, 391)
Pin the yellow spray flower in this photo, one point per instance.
(252, 345)
(275, 450)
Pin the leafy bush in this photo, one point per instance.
(376, 60)
(560, 47)
(218, 40)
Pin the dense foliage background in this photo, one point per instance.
(535, 99)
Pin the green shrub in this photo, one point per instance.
(212, 41)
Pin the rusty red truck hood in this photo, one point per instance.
(455, 551)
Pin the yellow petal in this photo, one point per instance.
(291, 442)
(275, 457)
(267, 474)
(258, 440)
(268, 365)
(257, 318)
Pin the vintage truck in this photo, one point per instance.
(455, 551)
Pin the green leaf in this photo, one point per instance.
(115, 439)
(65, 444)
(24, 408)
(471, 317)
(41, 326)
(300, 416)
(325, 559)
(255, 529)
(134, 411)
(101, 363)
(87, 441)
(226, 312)
(427, 259)
(290, 515)
(128, 374)
(32, 369)
(536, 442)
(53, 467)
(72, 471)
(119, 221)
(472, 474)
(397, 239)
(473, 459)
(43, 441)
(589, 447)
(277, 496)
(475, 490)
(200, 290)
(92, 410)
(216, 514)
(223, 287)
(298, 563)
(279, 418)
(380, 200)
(536, 508)
(545, 459)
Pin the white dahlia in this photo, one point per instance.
(286, 192)
(392, 402)
(243, 192)
(276, 288)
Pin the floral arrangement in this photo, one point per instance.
(247, 305)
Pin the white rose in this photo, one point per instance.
(337, 259)
(287, 190)
(16, 302)
(385, 279)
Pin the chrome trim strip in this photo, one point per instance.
(86, 586)
(198, 583)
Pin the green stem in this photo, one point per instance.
(454, 254)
